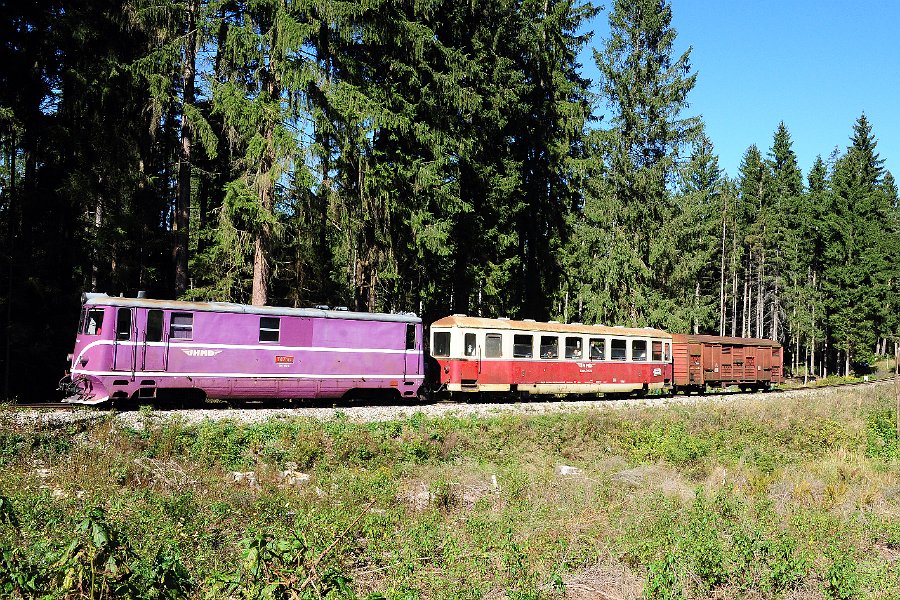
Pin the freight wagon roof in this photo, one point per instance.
(228, 307)
(717, 339)
(483, 323)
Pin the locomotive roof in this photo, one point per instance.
(483, 323)
(229, 307)
(718, 339)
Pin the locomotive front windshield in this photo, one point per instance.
(93, 321)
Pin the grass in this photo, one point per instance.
(778, 497)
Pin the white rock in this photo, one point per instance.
(293, 478)
(248, 477)
(566, 470)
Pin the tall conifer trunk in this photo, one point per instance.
(183, 203)
(266, 190)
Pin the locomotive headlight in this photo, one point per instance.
(69, 358)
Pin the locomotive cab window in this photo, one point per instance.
(440, 345)
(549, 346)
(410, 336)
(667, 353)
(123, 324)
(617, 349)
(269, 329)
(598, 349)
(639, 350)
(523, 346)
(573, 347)
(657, 351)
(470, 344)
(93, 322)
(154, 325)
(492, 345)
(181, 327)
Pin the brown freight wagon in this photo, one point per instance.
(701, 361)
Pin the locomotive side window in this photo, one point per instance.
(657, 351)
(598, 349)
(573, 347)
(549, 346)
(523, 346)
(93, 322)
(492, 345)
(617, 349)
(123, 324)
(441, 344)
(269, 329)
(470, 344)
(81, 320)
(639, 350)
(181, 327)
(667, 353)
(410, 336)
(154, 325)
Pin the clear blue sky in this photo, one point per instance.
(816, 65)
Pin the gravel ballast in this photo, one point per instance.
(48, 418)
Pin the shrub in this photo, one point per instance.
(841, 580)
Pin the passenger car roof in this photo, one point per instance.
(508, 324)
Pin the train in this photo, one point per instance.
(156, 350)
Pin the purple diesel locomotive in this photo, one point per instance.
(140, 348)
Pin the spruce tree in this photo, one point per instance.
(855, 267)
(646, 88)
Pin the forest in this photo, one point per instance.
(420, 155)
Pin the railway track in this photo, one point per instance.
(405, 405)
(44, 405)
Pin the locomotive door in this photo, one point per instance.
(153, 346)
(124, 346)
(410, 361)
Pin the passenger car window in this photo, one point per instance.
(93, 322)
(181, 327)
(441, 344)
(573, 347)
(598, 349)
(617, 349)
(269, 329)
(549, 346)
(123, 324)
(657, 351)
(154, 325)
(639, 350)
(470, 344)
(523, 346)
(492, 345)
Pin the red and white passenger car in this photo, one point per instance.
(526, 357)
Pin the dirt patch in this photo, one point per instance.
(654, 477)
(603, 581)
